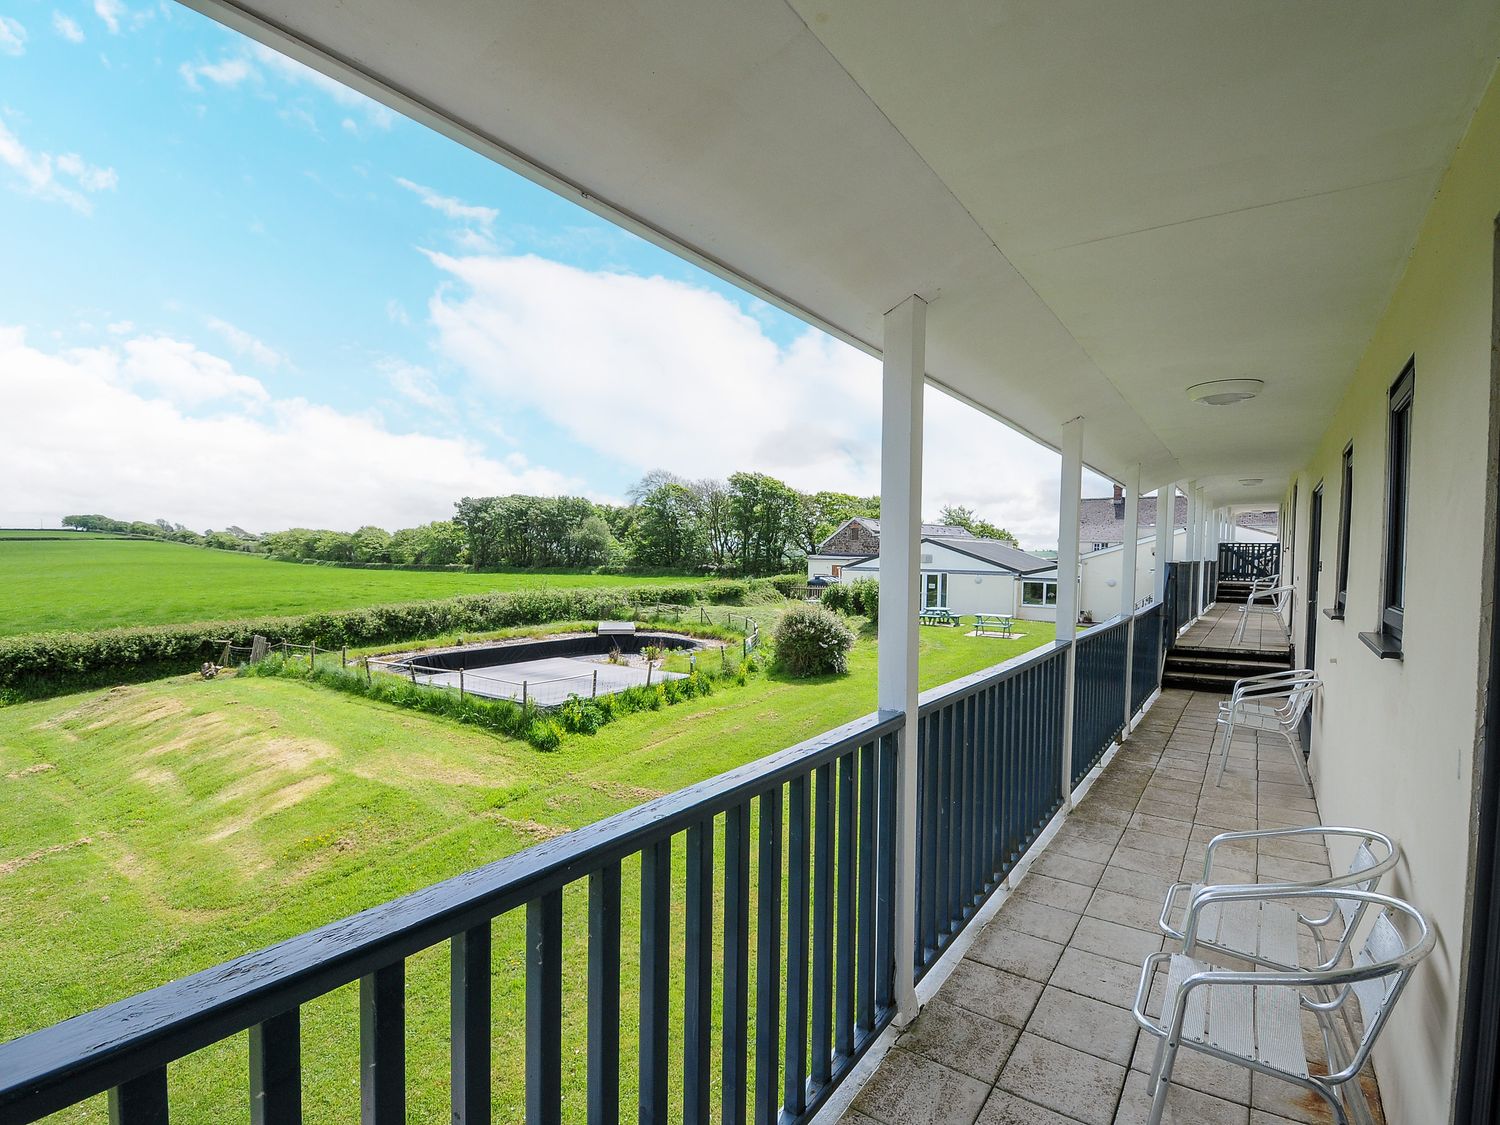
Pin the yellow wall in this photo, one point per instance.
(1394, 741)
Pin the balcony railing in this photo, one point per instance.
(820, 935)
(1245, 562)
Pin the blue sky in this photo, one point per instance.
(235, 292)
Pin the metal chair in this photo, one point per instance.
(1253, 1019)
(1269, 602)
(1265, 933)
(1276, 702)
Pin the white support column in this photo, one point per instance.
(1071, 447)
(1166, 535)
(1130, 554)
(903, 374)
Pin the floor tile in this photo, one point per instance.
(1185, 1106)
(1085, 1024)
(966, 1041)
(908, 1089)
(1103, 978)
(1007, 1109)
(1002, 947)
(992, 992)
(1071, 1082)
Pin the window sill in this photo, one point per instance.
(1333, 614)
(1382, 646)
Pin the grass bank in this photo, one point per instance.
(154, 830)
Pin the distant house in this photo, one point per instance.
(859, 538)
(1101, 521)
(964, 575)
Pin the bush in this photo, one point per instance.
(813, 641)
(864, 595)
(42, 663)
(838, 597)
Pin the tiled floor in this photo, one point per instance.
(1215, 629)
(1034, 1027)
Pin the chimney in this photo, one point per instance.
(1119, 502)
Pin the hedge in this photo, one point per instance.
(39, 663)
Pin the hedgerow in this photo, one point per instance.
(526, 722)
(46, 663)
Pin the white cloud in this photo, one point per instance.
(89, 177)
(110, 11)
(75, 434)
(228, 72)
(395, 312)
(455, 209)
(177, 372)
(120, 328)
(654, 372)
(67, 27)
(44, 175)
(12, 37)
(245, 344)
(295, 72)
(417, 384)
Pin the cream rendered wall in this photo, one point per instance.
(1394, 742)
(1099, 569)
(981, 593)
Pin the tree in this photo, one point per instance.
(667, 533)
(959, 516)
(370, 544)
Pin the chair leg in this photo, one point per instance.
(1224, 754)
(1156, 1061)
(1336, 1103)
(1164, 1084)
(1297, 757)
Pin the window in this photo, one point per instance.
(1386, 641)
(1039, 592)
(837, 570)
(934, 591)
(1346, 494)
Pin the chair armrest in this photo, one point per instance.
(1169, 908)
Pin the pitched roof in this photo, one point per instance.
(932, 530)
(1002, 553)
(997, 552)
(1100, 521)
(1268, 522)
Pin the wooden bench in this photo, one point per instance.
(938, 617)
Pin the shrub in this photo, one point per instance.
(838, 597)
(864, 595)
(784, 584)
(813, 641)
(726, 592)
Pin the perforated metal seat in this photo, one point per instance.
(1265, 932)
(1274, 702)
(1254, 1018)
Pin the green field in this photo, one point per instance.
(158, 829)
(96, 583)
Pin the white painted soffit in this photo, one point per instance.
(1104, 202)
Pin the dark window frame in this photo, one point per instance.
(1386, 639)
(1346, 517)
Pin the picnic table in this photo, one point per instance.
(938, 617)
(1003, 623)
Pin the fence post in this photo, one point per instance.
(460, 683)
(524, 693)
(411, 670)
(343, 656)
(648, 673)
(312, 655)
(594, 690)
(369, 682)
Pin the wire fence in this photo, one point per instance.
(606, 679)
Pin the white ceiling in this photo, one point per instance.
(1104, 202)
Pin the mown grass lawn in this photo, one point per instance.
(154, 830)
(96, 583)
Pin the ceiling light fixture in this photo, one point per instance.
(1251, 482)
(1225, 392)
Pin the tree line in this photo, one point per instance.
(746, 524)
